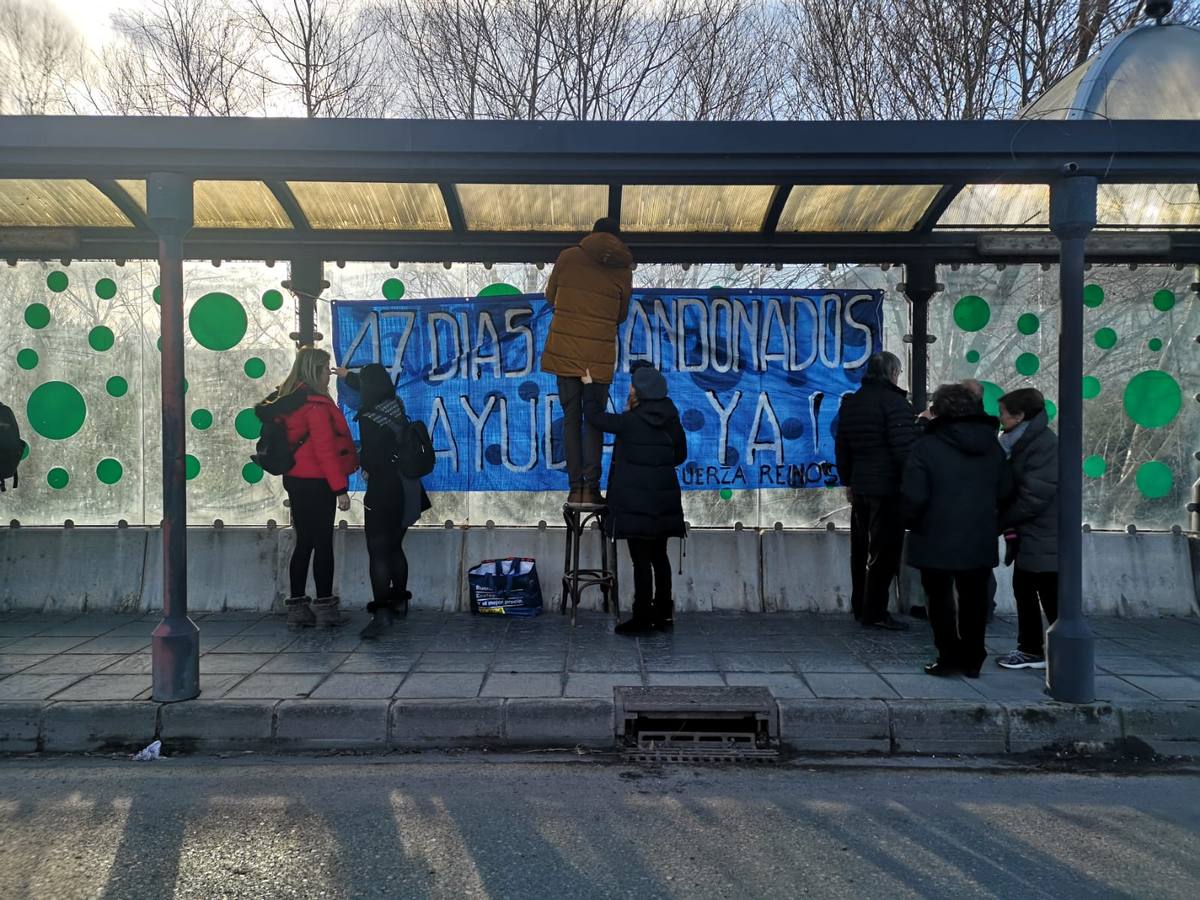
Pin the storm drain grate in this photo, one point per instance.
(697, 724)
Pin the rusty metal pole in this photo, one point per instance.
(176, 640)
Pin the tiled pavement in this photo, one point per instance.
(249, 656)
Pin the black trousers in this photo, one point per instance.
(313, 506)
(651, 578)
(1034, 592)
(876, 543)
(958, 628)
(385, 549)
(584, 444)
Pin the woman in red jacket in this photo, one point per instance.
(325, 458)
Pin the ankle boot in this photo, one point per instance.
(664, 616)
(327, 612)
(400, 604)
(382, 619)
(299, 613)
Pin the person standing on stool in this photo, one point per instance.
(588, 290)
(645, 507)
(876, 429)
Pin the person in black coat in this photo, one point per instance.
(954, 482)
(1032, 513)
(393, 502)
(876, 429)
(645, 506)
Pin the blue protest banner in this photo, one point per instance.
(758, 378)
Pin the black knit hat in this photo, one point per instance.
(648, 382)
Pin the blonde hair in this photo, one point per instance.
(306, 370)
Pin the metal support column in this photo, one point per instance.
(307, 281)
(920, 284)
(1070, 646)
(176, 640)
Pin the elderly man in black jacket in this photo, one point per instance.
(876, 430)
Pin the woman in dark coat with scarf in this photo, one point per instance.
(1033, 514)
(645, 507)
(954, 481)
(393, 502)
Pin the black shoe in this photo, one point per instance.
(381, 623)
(939, 668)
(918, 612)
(634, 626)
(971, 673)
(664, 624)
(887, 623)
(400, 604)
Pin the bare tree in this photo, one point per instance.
(180, 57)
(41, 55)
(325, 54)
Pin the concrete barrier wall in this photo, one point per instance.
(76, 569)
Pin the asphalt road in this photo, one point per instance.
(472, 827)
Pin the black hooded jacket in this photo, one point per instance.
(876, 429)
(954, 482)
(1033, 508)
(644, 500)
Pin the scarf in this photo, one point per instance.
(1009, 439)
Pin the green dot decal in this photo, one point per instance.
(251, 474)
(972, 356)
(37, 315)
(1095, 467)
(100, 338)
(25, 452)
(255, 367)
(202, 419)
(972, 313)
(1153, 398)
(1154, 479)
(499, 289)
(157, 294)
(217, 321)
(1028, 364)
(117, 386)
(106, 289)
(58, 478)
(1164, 300)
(272, 300)
(191, 467)
(248, 425)
(57, 281)
(1106, 339)
(56, 410)
(393, 289)
(1155, 344)
(1051, 411)
(1028, 323)
(991, 398)
(726, 494)
(158, 344)
(1091, 387)
(27, 359)
(1093, 296)
(109, 471)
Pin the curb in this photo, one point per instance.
(910, 727)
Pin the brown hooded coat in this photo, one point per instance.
(589, 291)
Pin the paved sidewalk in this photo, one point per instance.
(457, 678)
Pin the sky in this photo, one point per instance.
(91, 16)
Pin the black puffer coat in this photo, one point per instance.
(1033, 510)
(876, 430)
(644, 500)
(954, 481)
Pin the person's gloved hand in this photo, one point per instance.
(1011, 542)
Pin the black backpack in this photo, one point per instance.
(273, 453)
(414, 457)
(11, 447)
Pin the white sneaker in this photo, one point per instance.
(1018, 659)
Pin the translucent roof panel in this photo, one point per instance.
(856, 207)
(370, 206)
(226, 204)
(1149, 72)
(700, 207)
(998, 206)
(1148, 206)
(42, 203)
(532, 207)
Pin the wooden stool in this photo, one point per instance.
(579, 516)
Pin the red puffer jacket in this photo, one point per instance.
(317, 426)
